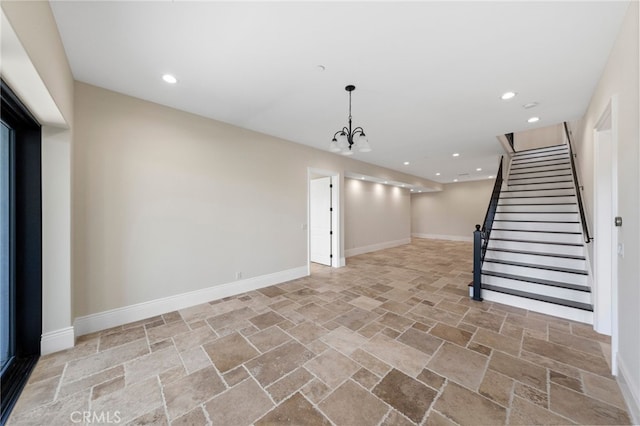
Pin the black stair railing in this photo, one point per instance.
(481, 234)
(583, 218)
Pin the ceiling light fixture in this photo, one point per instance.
(455, 154)
(343, 140)
(508, 95)
(438, 174)
(490, 177)
(455, 180)
(168, 78)
(478, 169)
(533, 120)
(406, 163)
(530, 105)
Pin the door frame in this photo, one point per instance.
(338, 259)
(606, 132)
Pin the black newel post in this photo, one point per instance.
(477, 262)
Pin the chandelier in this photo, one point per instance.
(346, 140)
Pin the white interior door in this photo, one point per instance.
(320, 220)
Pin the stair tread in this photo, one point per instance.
(542, 171)
(539, 183)
(539, 177)
(540, 281)
(535, 253)
(539, 297)
(544, 160)
(536, 204)
(528, 212)
(541, 189)
(531, 230)
(533, 221)
(538, 242)
(535, 167)
(535, 266)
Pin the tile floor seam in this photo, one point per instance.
(164, 400)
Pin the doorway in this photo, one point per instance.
(323, 218)
(605, 248)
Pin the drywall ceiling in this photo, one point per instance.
(428, 75)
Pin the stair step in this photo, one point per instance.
(559, 208)
(536, 266)
(536, 216)
(538, 225)
(540, 167)
(541, 298)
(542, 236)
(542, 149)
(560, 292)
(550, 248)
(540, 281)
(539, 192)
(543, 307)
(543, 260)
(540, 185)
(539, 160)
(540, 172)
(550, 178)
(535, 253)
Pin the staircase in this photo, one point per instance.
(535, 256)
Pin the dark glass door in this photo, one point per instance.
(6, 283)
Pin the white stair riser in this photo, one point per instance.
(566, 312)
(544, 179)
(539, 173)
(545, 290)
(541, 248)
(538, 186)
(536, 236)
(564, 191)
(540, 161)
(536, 273)
(544, 150)
(537, 200)
(541, 207)
(559, 262)
(528, 166)
(538, 226)
(540, 167)
(556, 217)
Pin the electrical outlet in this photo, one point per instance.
(238, 275)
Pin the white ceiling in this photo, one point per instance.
(428, 75)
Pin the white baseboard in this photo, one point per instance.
(631, 395)
(119, 316)
(443, 237)
(58, 340)
(375, 247)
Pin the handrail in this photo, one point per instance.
(511, 139)
(583, 218)
(481, 236)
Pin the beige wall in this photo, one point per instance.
(452, 213)
(539, 138)
(620, 78)
(167, 202)
(375, 215)
(37, 68)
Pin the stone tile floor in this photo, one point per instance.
(391, 339)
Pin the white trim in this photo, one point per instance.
(631, 397)
(57, 340)
(119, 316)
(375, 247)
(443, 237)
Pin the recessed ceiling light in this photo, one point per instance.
(419, 191)
(412, 190)
(533, 120)
(530, 105)
(406, 163)
(455, 180)
(508, 95)
(362, 178)
(478, 169)
(169, 79)
(438, 174)
(402, 185)
(456, 154)
(490, 177)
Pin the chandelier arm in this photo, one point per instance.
(358, 130)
